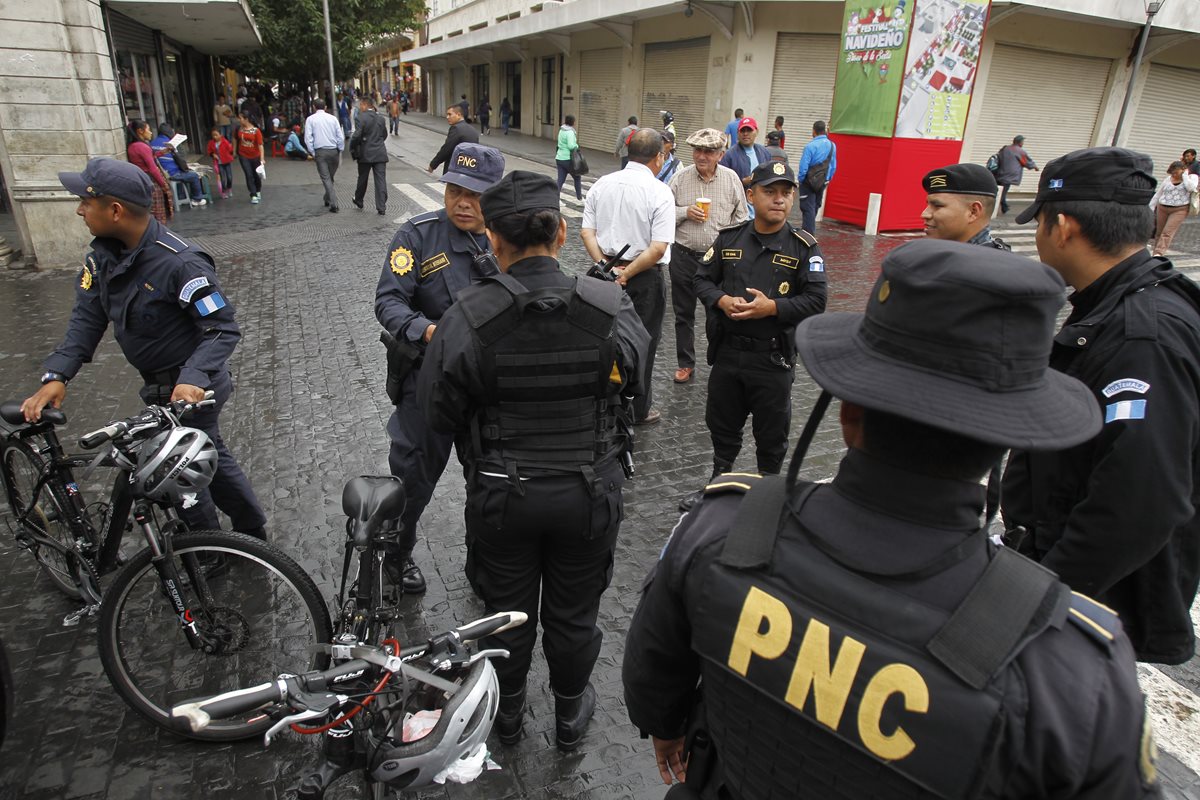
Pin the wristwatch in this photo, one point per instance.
(53, 376)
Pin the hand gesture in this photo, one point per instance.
(757, 307)
(672, 765)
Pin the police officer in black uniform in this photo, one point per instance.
(865, 638)
(536, 370)
(1118, 516)
(172, 320)
(758, 280)
(959, 202)
(432, 258)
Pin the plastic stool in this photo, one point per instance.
(180, 192)
(277, 149)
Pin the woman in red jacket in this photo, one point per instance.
(250, 151)
(139, 153)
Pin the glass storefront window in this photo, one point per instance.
(138, 87)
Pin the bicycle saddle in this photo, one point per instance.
(10, 412)
(371, 501)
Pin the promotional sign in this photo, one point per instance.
(869, 73)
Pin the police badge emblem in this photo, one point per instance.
(784, 288)
(778, 168)
(401, 261)
(85, 280)
(708, 256)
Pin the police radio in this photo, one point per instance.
(603, 269)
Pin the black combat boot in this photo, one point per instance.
(571, 717)
(412, 581)
(689, 502)
(510, 715)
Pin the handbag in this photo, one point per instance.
(815, 179)
(579, 165)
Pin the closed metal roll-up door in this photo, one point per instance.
(130, 35)
(676, 80)
(1055, 116)
(802, 84)
(1166, 122)
(600, 117)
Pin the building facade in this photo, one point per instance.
(385, 70)
(75, 71)
(1054, 71)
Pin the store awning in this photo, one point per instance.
(214, 27)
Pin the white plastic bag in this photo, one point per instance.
(418, 726)
(467, 768)
(261, 169)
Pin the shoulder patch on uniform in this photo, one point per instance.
(401, 261)
(816, 264)
(1123, 410)
(1125, 385)
(708, 256)
(804, 236)
(1097, 620)
(191, 287)
(740, 482)
(210, 304)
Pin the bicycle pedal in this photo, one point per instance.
(73, 619)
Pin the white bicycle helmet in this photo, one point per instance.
(466, 720)
(174, 463)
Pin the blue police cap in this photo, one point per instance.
(474, 166)
(107, 176)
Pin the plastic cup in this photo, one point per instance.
(704, 204)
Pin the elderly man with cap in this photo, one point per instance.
(170, 317)
(959, 201)
(746, 154)
(696, 228)
(1116, 516)
(758, 281)
(864, 638)
(432, 258)
(540, 398)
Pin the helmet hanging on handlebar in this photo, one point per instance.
(173, 463)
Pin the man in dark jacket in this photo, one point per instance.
(369, 146)
(460, 131)
(1116, 516)
(1013, 163)
(746, 154)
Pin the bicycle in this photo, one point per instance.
(189, 612)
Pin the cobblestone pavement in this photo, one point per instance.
(308, 414)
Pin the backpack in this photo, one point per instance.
(993, 162)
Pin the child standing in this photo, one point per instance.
(221, 151)
(250, 151)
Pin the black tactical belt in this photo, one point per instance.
(750, 343)
(166, 377)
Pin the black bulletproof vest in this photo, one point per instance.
(822, 683)
(548, 362)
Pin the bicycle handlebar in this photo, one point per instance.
(487, 626)
(197, 715)
(151, 415)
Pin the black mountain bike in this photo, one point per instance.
(189, 613)
(444, 674)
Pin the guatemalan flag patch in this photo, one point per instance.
(1125, 409)
(209, 303)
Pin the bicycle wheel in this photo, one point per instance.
(258, 613)
(22, 469)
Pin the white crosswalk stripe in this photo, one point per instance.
(429, 197)
(417, 196)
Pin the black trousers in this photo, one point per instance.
(548, 551)
(360, 190)
(418, 456)
(250, 170)
(1004, 197)
(809, 202)
(648, 292)
(683, 303)
(745, 382)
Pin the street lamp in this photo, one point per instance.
(1152, 8)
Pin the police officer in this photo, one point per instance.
(758, 280)
(864, 638)
(432, 258)
(171, 319)
(959, 202)
(530, 366)
(1116, 516)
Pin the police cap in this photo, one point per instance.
(474, 166)
(1096, 173)
(957, 337)
(960, 179)
(772, 172)
(112, 178)
(517, 192)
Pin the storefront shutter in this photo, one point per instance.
(129, 35)
(801, 85)
(600, 118)
(676, 80)
(1166, 122)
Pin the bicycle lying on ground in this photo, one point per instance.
(363, 702)
(191, 612)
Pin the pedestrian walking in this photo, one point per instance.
(250, 153)
(539, 396)
(1189, 158)
(669, 162)
(505, 114)
(343, 114)
(818, 164)
(708, 197)
(959, 201)
(432, 258)
(223, 117)
(485, 115)
(668, 121)
(622, 148)
(1013, 161)
(758, 281)
(779, 130)
(171, 318)
(393, 109)
(746, 154)
(460, 132)
(162, 202)
(369, 146)
(631, 207)
(1170, 204)
(323, 138)
(1116, 516)
(220, 150)
(839, 640)
(465, 107)
(568, 140)
(404, 103)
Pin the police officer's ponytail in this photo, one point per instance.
(523, 230)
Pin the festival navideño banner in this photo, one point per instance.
(871, 67)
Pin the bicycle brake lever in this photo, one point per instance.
(302, 716)
(493, 653)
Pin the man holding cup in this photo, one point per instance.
(708, 197)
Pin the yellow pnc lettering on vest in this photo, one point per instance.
(466, 161)
(764, 630)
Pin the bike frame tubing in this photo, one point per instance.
(168, 576)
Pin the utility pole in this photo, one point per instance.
(329, 52)
(1152, 8)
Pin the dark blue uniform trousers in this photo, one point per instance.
(741, 383)
(418, 456)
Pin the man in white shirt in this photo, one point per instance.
(323, 138)
(632, 207)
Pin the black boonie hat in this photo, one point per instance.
(519, 191)
(474, 166)
(960, 179)
(772, 172)
(957, 337)
(111, 178)
(1096, 173)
